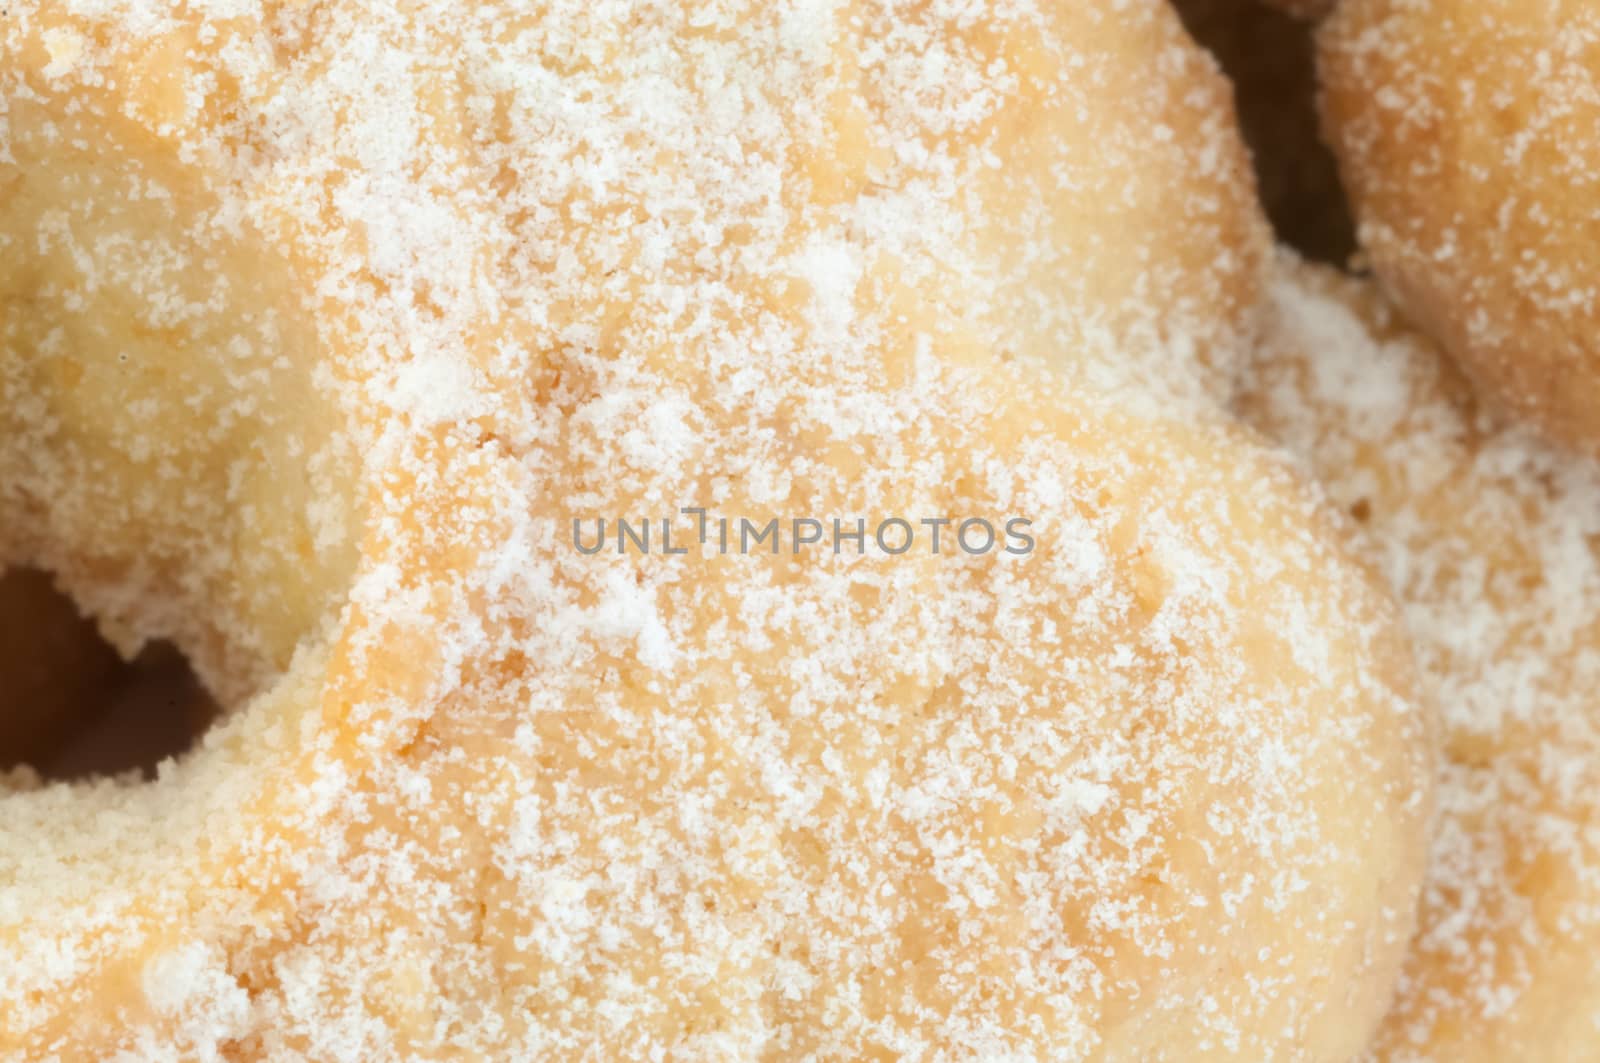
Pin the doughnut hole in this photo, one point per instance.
(54, 668)
(70, 706)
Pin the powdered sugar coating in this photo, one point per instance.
(433, 283)
(1491, 540)
(1465, 131)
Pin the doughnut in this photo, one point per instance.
(1270, 56)
(1488, 535)
(340, 343)
(1464, 130)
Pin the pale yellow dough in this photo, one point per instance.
(321, 323)
(1466, 131)
(1489, 539)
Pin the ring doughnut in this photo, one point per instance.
(325, 329)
